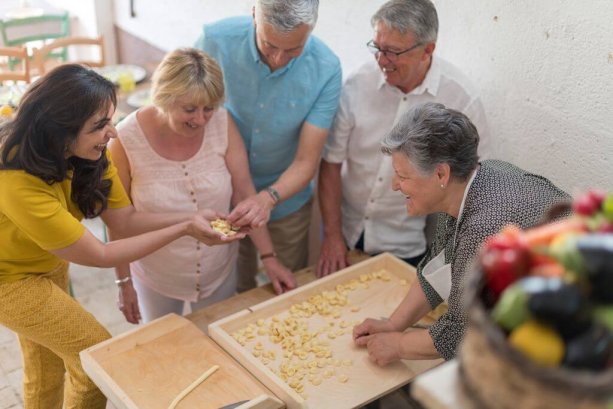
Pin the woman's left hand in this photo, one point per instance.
(200, 228)
(254, 212)
(384, 347)
(371, 326)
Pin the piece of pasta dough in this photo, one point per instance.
(222, 226)
(303, 335)
(193, 386)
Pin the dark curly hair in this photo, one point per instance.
(50, 116)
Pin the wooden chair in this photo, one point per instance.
(40, 56)
(35, 30)
(21, 54)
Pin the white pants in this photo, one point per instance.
(155, 305)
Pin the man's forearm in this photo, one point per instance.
(302, 170)
(329, 193)
(294, 179)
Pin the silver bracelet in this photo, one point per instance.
(122, 281)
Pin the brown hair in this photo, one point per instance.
(50, 116)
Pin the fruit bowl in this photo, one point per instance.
(497, 376)
(537, 336)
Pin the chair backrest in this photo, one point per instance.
(40, 55)
(21, 31)
(18, 31)
(19, 53)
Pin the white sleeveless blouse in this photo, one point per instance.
(184, 269)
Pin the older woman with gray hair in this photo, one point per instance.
(434, 155)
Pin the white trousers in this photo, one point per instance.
(155, 305)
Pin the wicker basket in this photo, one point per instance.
(494, 375)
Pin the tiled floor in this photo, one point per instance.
(95, 289)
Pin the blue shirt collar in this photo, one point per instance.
(252, 45)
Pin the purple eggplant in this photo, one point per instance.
(597, 252)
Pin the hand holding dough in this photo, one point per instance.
(222, 226)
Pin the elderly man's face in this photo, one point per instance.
(276, 48)
(408, 69)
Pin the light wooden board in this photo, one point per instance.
(366, 380)
(149, 366)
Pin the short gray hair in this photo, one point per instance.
(416, 16)
(287, 15)
(431, 134)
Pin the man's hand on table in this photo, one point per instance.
(333, 256)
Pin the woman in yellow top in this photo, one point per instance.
(55, 170)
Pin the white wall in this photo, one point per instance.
(168, 24)
(545, 68)
(91, 18)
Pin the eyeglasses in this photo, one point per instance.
(390, 55)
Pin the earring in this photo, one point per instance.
(442, 186)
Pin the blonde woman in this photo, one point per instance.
(184, 153)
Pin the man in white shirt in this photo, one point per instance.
(359, 208)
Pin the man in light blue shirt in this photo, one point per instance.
(282, 89)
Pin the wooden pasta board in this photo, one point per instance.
(148, 367)
(366, 381)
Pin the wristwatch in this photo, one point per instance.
(274, 194)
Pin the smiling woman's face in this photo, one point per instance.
(94, 136)
(187, 118)
(422, 192)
